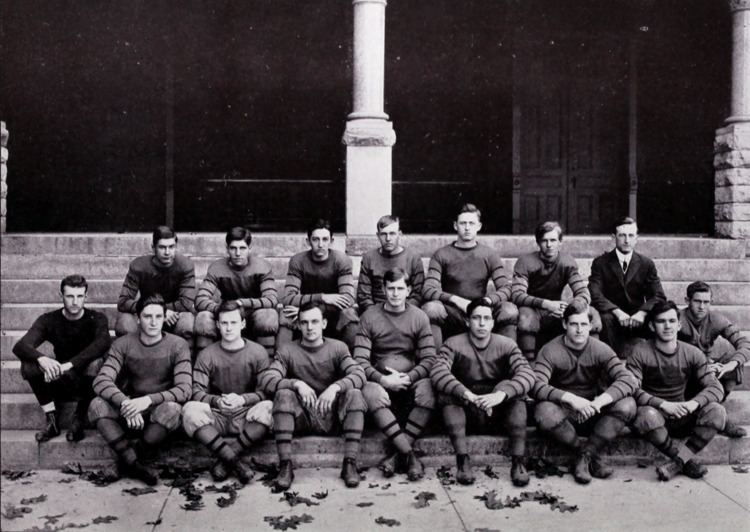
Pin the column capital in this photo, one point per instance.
(737, 5)
(369, 132)
(383, 2)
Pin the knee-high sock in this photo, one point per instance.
(387, 422)
(416, 422)
(284, 335)
(605, 430)
(210, 437)
(252, 433)
(454, 418)
(354, 423)
(509, 331)
(269, 343)
(527, 344)
(154, 434)
(113, 434)
(661, 439)
(349, 334)
(565, 433)
(283, 428)
(437, 335)
(700, 437)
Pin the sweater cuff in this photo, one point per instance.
(156, 398)
(506, 388)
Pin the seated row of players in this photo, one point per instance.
(77, 342)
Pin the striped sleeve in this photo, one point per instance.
(577, 284)
(443, 379)
(739, 341)
(353, 373)
(204, 299)
(345, 280)
(260, 365)
(105, 382)
(202, 380)
(363, 350)
(127, 300)
(622, 382)
(416, 274)
(268, 296)
(544, 369)
(635, 364)
(499, 279)
(433, 282)
(364, 285)
(274, 377)
(186, 290)
(522, 376)
(293, 285)
(182, 377)
(425, 352)
(711, 390)
(519, 291)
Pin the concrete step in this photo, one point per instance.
(9, 338)
(20, 450)
(286, 244)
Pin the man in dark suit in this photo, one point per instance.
(624, 285)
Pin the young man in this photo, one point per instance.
(242, 277)
(317, 388)
(459, 273)
(582, 387)
(321, 275)
(141, 386)
(665, 366)
(624, 286)
(391, 254)
(166, 273)
(396, 350)
(700, 326)
(483, 377)
(80, 338)
(539, 279)
(226, 399)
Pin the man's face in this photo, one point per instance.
(239, 253)
(73, 299)
(320, 243)
(481, 322)
(699, 304)
(396, 292)
(665, 325)
(151, 320)
(390, 237)
(577, 329)
(164, 251)
(549, 245)
(467, 226)
(625, 238)
(312, 324)
(230, 325)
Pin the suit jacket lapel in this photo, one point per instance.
(633, 267)
(616, 267)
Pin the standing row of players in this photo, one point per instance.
(478, 378)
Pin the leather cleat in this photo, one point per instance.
(350, 473)
(581, 469)
(598, 469)
(732, 430)
(219, 471)
(51, 430)
(286, 475)
(518, 473)
(464, 471)
(669, 470)
(243, 472)
(140, 472)
(414, 468)
(76, 432)
(388, 465)
(694, 469)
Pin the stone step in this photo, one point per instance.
(108, 290)
(21, 411)
(286, 244)
(20, 450)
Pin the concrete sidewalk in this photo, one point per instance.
(632, 500)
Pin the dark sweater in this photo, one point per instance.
(318, 367)
(402, 341)
(704, 333)
(176, 284)
(161, 371)
(664, 376)
(307, 280)
(535, 280)
(498, 367)
(78, 341)
(253, 285)
(375, 264)
(218, 371)
(465, 273)
(586, 373)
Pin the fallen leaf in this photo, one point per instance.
(11, 474)
(628, 480)
(294, 498)
(423, 499)
(193, 506)
(14, 512)
(157, 522)
(486, 530)
(320, 495)
(544, 468)
(51, 519)
(135, 492)
(387, 522)
(385, 486)
(490, 472)
(643, 463)
(373, 485)
(34, 500)
(279, 522)
(104, 519)
(445, 476)
(364, 504)
(741, 468)
(66, 480)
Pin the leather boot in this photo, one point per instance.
(669, 470)
(77, 426)
(139, 471)
(464, 471)
(242, 471)
(350, 473)
(286, 475)
(693, 469)
(51, 430)
(388, 465)
(414, 468)
(731, 430)
(598, 469)
(219, 471)
(518, 473)
(581, 471)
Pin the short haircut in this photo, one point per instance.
(575, 307)
(388, 219)
(396, 274)
(320, 223)
(623, 220)
(479, 302)
(154, 299)
(470, 207)
(239, 233)
(311, 305)
(546, 227)
(74, 281)
(697, 286)
(162, 232)
(229, 306)
(660, 307)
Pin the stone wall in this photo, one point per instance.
(3, 176)
(732, 181)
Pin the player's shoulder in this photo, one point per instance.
(142, 263)
(567, 259)
(336, 346)
(184, 263)
(341, 258)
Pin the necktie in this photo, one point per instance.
(624, 266)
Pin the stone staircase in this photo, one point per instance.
(33, 264)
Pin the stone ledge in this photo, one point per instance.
(732, 159)
(732, 212)
(732, 137)
(737, 230)
(732, 193)
(369, 133)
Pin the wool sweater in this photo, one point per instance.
(253, 285)
(176, 283)
(704, 333)
(375, 264)
(307, 280)
(535, 279)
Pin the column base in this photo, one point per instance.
(732, 181)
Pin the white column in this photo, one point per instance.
(3, 176)
(369, 136)
(740, 105)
